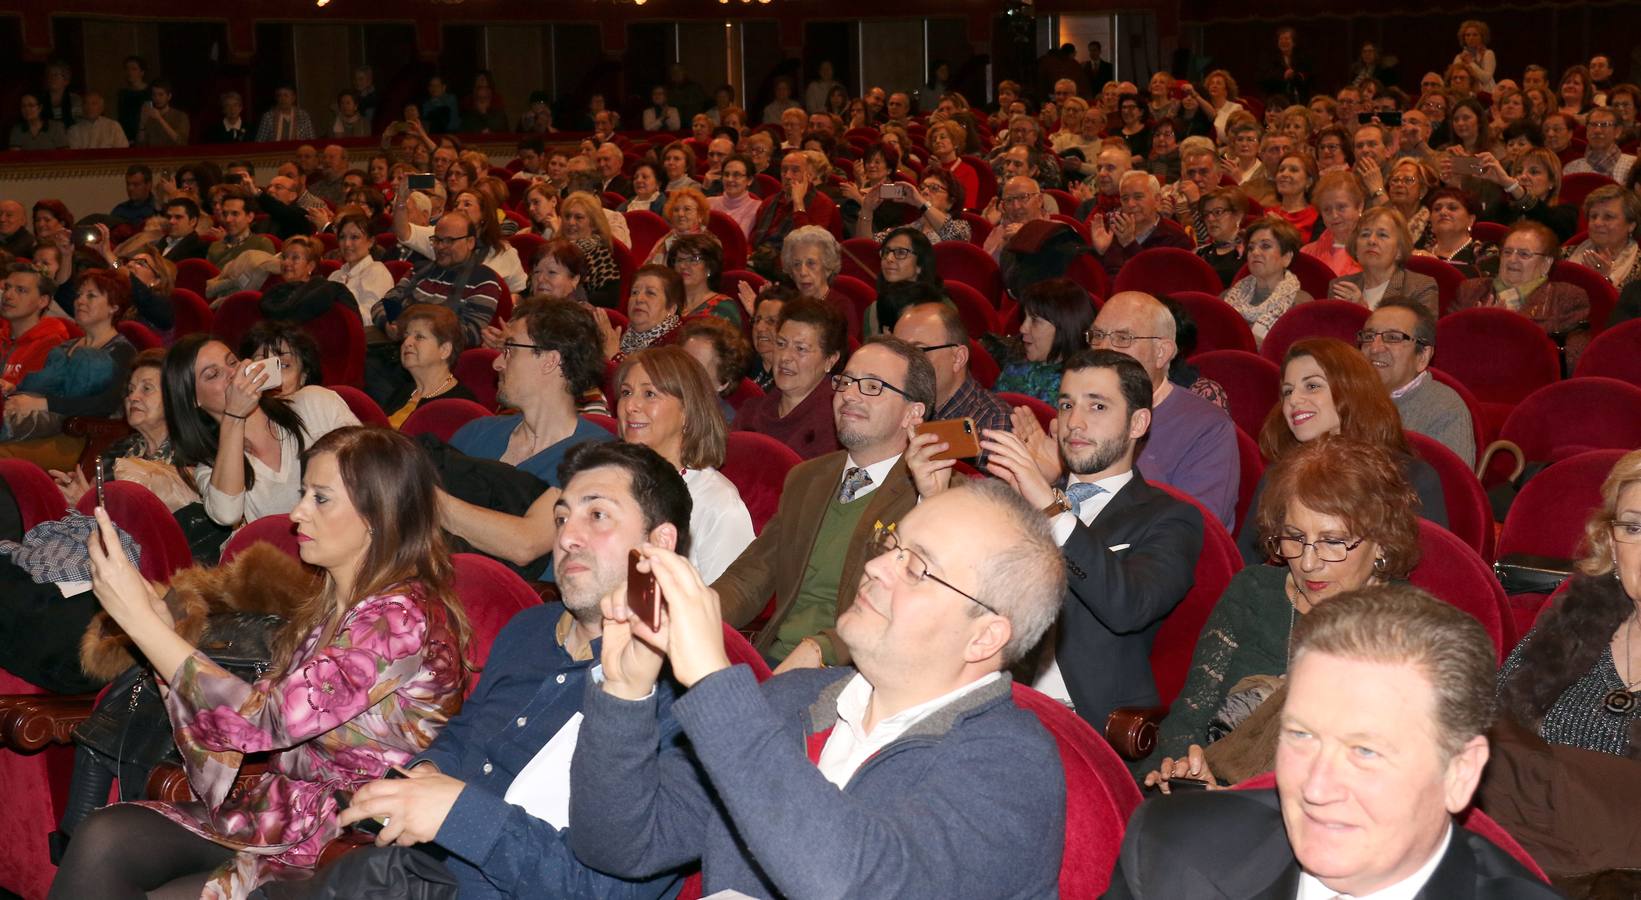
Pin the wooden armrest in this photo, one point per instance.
(30, 722)
(168, 783)
(1509, 447)
(1132, 730)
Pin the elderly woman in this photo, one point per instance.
(428, 352)
(1222, 213)
(1133, 126)
(1410, 180)
(1334, 151)
(647, 190)
(1576, 93)
(678, 164)
(699, 260)
(1452, 211)
(1338, 197)
(1613, 218)
(687, 211)
(810, 257)
(946, 141)
(1057, 319)
(1070, 133)
(559, 272)
(1220, 103)
(1340, 516)
(737, 201)
(1293, 179)
(939, 195)
(653, 305)
(1381, 246)
(144, 408)
(809, 343)
(722, 351)
(304, 293)
(1522, 285)
(1509, 108)
(1160, 102)
(581, 219)
(1269, 290)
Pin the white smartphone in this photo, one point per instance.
(269, 365)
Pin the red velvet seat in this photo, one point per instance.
(1489, 232)
(964, 262)
(978, 316)
(647, 229)
(1164, 270)
(985, 178)
(364, 408)
(1478, 421)
(1219, 327)
(341, 338)
(237, 314)
(1045, 414)
(528, 246)
(979, 228)
(729, 234)
(1547, 517)
(276, 529)
(1577, 186)
(757, 465)
(1469, 515)
(860, 259)
(1087, 272)
(1603, 296)
(476, 370)
(1499, 355)
(1569, 417)
(491, 594)
(1615, 353)
(441, 418)
(984, 369)
(193, 314)
(399, 268)
(851, 296)
(1447, 278)
(765, 185)
(144, 516)
(1177, 638)
(141, 336)
(1250, 468)
(38, 497)
(1318, 318)
(193, 273)
(1252, 382)
(741, 653)
(627, 263)
(1457, 575)
(744, 392)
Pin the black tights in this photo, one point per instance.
(133, 852)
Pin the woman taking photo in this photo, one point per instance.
(1533, 192)
(1381, 246)
(581, 218)
(1269, 290)
(665, 401)
(940, 197)
(1452, 212)
(1294, 177)
(699, 259)
(1338, 197)
(1057, 318)
(1612, 215)
(366, 673)
(797, 411)
(362, 274)
(432, 343)
(243, 445)
(295, 349)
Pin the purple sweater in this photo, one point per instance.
(809, 428)
(1192, 446)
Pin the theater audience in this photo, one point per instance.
(303, 292)
(1533, 189)
(1269, 289)
(1399, 340)
(686, 211)
(364, 277)
(1219, 236)
(1138, 227)
(149, 441)
(15, 237)
(234, 213)
(765, 306)
(1294, 177)
(490, 246)
(905, 257)
(1381, 245)
(1057, 316)
(646, 189)
(737, 200)
(1452, 213)
(582, 222)
(428, 352)
(1522, 285)
(799, 203)
(811, 259)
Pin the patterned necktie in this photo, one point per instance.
(1078, 491)
(853, 480)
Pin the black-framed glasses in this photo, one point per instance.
(1292, 546)
(869, 386)
(896, 252)
(508, 347)
(933, 347)
(913, 567)
(1122, 340)
(1625, 532)
(442, 241)
(1390, 336)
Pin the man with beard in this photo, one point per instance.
(486, 806)
(1128, 546)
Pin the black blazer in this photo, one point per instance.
(1232, 844)
(192, 246)
(1116, 598)
(620, 184)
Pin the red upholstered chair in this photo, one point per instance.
(1164, 270)
(611, 199)
(1219, 327)
(979, 228)
(851, 296)
(757, 465)
(341, 339)
(1087, 272)
(1318, 318)
(1603, 296)
(388, 241)
(1547, 518)
(442, 418)
(964, 262)
(860, 259)
(476, 370)
(38, 497)
(193, 273)
(647, 229)
(144, 516)
(238, 312)
(1447, 278)
(1615, 353)
(364, 408)
(1489, 232)
(1565, 418)
(1044, 413)
(276, 529)
(740, 652)
(1469, 515)
(1100, 795)
(730, 281)
(1066, 203)
(1577, 186)
(141, 336)
(491, 594)
(765, 185)
(1456, 574)
(985, 178)
(982, 366)
(978, 315)
(399, 268)
(627, 263)
(729, 234)
(1250, 468)
(528, 246)
(1252, 382)
(1499, 355)
(1074, 224)
(193, 314)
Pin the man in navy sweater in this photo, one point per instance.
(486, 806)
(921, 777)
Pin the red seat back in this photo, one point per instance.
(1489, 232)
(729, 234)
(399, 268)
(476, 370)
(985, 178)
(1603, 296)
(193, 273)
(747, 390)
(1547, 517)
(341, 338)
(757, 465)
(38, 497)
(145, 517)
(851, 296)
(441, 418)
(1447, 278)
(1615, 353)
(647, 229)
(984, 369)
(979, 228)
(740, 652)
(529, 247)
(978, 316)
(1250, 468)
(1087, 272)
(1318, 318)
(964, 262)
(1577, 186)
(238, 312)
(276, 529)
(765, 185)
(1176, 639)
(1252, 382)
(1164, 270)
(141, 336)
(1469, 515)
(491, 594)
(1456, 574)
(364, 408)
(1313, 274)
(1045, 414)
(1219, 326)
(860, 259)
(193, 314)
(1501, 356)
(1575, 415)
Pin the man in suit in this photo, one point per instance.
(1128, 546)
(1097, 70)
(1381, 743)
(609, 160)
(812, 553)
(182, 240)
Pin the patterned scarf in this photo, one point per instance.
(1514, 298)
(1263, 312)
(633, 341)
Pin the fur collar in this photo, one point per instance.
(262, 579)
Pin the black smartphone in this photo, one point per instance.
(422, 182)
(1187, 784)
(643, 597)
(368, 826)
(102, 497)
(86, 236)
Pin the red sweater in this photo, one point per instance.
(25, 354)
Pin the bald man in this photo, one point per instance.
(1192, 443)
(1020, 202)
(15, 238)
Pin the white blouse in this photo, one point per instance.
(322, 411)
(368, 280)
(719, 525)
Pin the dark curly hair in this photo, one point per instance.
(567, 327)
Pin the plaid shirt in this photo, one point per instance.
(973, 401)
(55, 551)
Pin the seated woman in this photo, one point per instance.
(431, 345)
(940, 197)
(296, 350)
(1057, 319)
(678, 165)
(1522, 285)
(304, 293)
(362, 274)
(647, 193)
(810, 340)
(904, 255)
(1613, 218)
(1453, 212)
(1340, 517)
(1134, 127)
(946, 141)
(1222, 212)
(368, 671)
(686, 211)
(665, 401)
(1381, 246)
(765, 307)
(1405, 189)
(1295, 176)
(1338, 197)
(153, 278)
(1328, 387)
(149, 441)
(1533, 189)
(541, 208)
(243, 444)
(737, 201)
(698, 259)
(652, 313)
(581, 221)
(723, 353)
(1269, 290)
(492, 249)
(560, 271)
(876, 165)
(811, 258)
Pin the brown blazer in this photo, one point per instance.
(776, 559)
(1556, 307)
(1419, 288)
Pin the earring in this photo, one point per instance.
(1379, 565)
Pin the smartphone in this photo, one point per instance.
(368, 826)
(102, 495)
(422, 182)
(236, 178)
(643, 597)
(271, 366)
(961, 437)
(892, 190)
(1466, 166)
(1187, 784)
(86, 236)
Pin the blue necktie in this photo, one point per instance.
(853, 480)
(1078, 491)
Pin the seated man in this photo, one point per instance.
(138, 206)
(1020, 202)
(455, 279)
(1381, 744)
(1129, 547)
(800, 202)
(487, 803)
(235, 214)
(1399, 339)
(1138, 226)
(1193, 442)
(1110, 165)
(810, 554)
(936, 328)
(15, 238)
(27, 334)
(181, 239)
(1602, 154)
(922, 778)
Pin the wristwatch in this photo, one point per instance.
(1060, 504)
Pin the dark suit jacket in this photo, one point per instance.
(192, 246)
(1232, 844)
(1098, 76)
(1116, 599)
(776, 559)
(1166, 234)
(620, 184)
(1420, 289)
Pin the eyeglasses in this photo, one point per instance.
(933, 347)
(1216, 212)
(1518, 253)
(691, 258)
(914, 568)
(1626, 532)
(869, 386)
(896, 252)
(1290, 546)
(1122, 340)
(1402, 180)
(1019, 198)
(508, 347)
(441, 241)
(934, 187)
(1391, 338)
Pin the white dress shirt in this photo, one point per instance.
(850, 745)
(1311, 888)
(878, 472)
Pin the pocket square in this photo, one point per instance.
(1115, 547)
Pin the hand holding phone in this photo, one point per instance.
(643, 596)
(368, 826)
(421, 182)
(270, 367)
(961, 437)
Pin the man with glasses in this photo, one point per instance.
(937, 330)
(809, 556)
(454, 278)
(182, 240)
(1020, 202)
(719, 150)
(1399, 340)
(1138, 226)
(1192, 444)
(1415, 137)
(914, 774)
(1523, 285)
(1601, 151)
